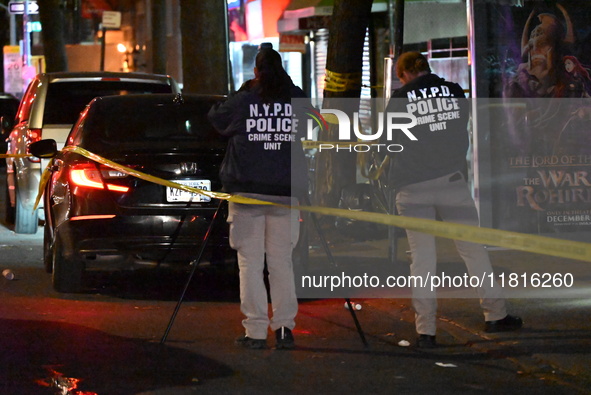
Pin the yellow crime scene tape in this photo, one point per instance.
(144, 176)
(501, 238)
(341, 82)
(14, 155)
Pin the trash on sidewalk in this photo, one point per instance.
(356, 306)
(446, 365)
(8, 274)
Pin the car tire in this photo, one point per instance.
(67, 273)
(47, 250)
(26, 219)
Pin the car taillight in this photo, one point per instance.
(32, 136)
(97, 177)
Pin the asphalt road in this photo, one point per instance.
(109, 340)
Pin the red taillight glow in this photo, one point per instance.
(32, 136)
(93, 217)
(90, 176)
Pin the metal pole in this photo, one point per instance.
(396, 22)
(26, 36)
(13, 29)
(398, 28)
(76, 13)
(103, 40)
(391, 35)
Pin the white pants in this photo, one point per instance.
(257, 231)
(449, 197)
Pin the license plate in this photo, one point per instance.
(178, 195)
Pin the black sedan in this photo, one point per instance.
(98, 217)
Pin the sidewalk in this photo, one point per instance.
(112, 340)
(555, 342)
(550, 355)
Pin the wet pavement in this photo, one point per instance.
(199, 357)
(109, 340)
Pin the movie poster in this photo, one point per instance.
(533, 61)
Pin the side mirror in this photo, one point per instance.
(43, 148)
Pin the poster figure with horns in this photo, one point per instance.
(533, 62)
(542, 48)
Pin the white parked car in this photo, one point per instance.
(48, 109)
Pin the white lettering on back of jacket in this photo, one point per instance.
(270, 123)
(433, 106)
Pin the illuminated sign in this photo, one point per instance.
(19, 7)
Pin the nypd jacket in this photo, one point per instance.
(441, 133)
(264, 149)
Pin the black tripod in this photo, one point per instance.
(194, 265)
(333, 262)
(196, 261)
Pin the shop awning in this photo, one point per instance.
(307, 8)
(304, 15)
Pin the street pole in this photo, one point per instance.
(26, 36)
(27, 69)
(399, 41)
(13, 29)
(396, 27)
(391, 35)
(103, 43)
(76, 20)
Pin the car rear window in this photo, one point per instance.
(65, 100)
(152, 125)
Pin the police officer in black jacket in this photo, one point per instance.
(430, 179)
(264, 161)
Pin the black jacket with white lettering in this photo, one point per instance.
(262, 153)
(441, 132)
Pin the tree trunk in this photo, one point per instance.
(51, 16)
(205, 46)
(159, 50)
(350, 19)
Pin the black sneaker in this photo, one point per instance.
(284, 338)
(509, 323)
(253, 344)
(426, 341)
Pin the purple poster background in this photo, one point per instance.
(533, 62)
